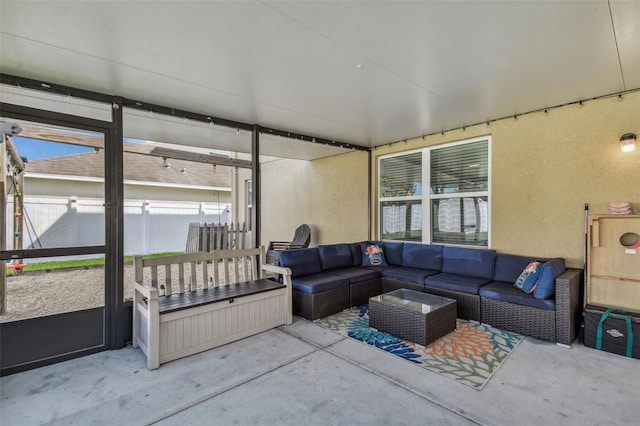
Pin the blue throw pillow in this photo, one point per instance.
(550, 271)
(372, 255)
(528, 279)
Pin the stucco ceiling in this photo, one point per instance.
(366, 73)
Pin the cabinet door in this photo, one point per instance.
(614, 271)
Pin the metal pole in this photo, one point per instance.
(586, 258)
(3, 225)
(369, 196)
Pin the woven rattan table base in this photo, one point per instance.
(417, 327)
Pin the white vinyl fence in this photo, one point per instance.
(149, 226)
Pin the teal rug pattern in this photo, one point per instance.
(469, 355)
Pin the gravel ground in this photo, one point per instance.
(35, 294)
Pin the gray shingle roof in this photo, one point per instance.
(137, 167)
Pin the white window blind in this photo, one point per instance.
(460, 168)
(401, 176)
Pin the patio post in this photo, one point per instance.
(3, 225)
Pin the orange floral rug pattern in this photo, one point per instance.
(470, 354)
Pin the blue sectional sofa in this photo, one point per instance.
(330, 278)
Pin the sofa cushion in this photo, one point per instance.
(393, 253)
(469, 262)
(317, 283)
(414, 275)
(301, 262)
(509, 267)
(335, 256)
(356, 274)
(506, 292)
(454, 282)
(546, 287)
(373, 255)
(528, 279)
(356, 253)
(422, 256)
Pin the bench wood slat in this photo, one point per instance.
(154, 276)
(225, 268)
(194, 276)
(168, 287)
(236, 270)
(216, 276)
(205, 274)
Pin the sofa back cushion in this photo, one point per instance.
(335, 256)
(508, 267)
(393, 253)
(469, 262)
(546, 287)
(422, 256)
(301, 262)
(356, 253)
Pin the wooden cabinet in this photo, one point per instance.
(613, 262)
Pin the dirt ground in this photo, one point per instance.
(35, 294)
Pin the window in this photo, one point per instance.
(401, 197)
(455, 209)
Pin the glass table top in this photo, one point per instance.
(413, 300)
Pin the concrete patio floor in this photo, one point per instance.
(304, 374)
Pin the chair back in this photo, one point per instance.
(302, 236)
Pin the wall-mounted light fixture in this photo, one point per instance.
(628, 142)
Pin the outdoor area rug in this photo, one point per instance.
(470, 355)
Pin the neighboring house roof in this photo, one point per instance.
(137, 167)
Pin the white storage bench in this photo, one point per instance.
(177, 314)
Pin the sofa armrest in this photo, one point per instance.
(568, 306)
(285, 273)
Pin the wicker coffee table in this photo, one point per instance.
(412, 315)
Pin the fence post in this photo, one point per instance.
(242, 235)
(72, 210)
(224, 237)
(213, 244)
(146, 214)
(201, 213)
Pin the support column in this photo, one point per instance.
(114, 227)
(255, 182)
(3, 225)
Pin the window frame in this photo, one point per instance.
(426, 197)
(248, 189)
